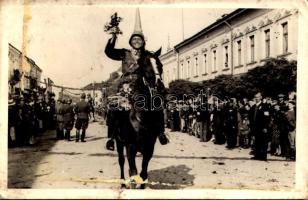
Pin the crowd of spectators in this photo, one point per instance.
(263, 124)
(30, 113)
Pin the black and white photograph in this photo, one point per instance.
(153, 99)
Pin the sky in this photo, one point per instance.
(66, 42)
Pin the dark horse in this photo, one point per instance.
(137, 129)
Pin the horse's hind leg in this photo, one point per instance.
(121, 159)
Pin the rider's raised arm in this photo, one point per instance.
(111, 52)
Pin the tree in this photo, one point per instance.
(274, 77)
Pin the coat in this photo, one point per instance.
(260, 118)
(82, 110)
(68, 113)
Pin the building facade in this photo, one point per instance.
(15, 63)
(234, 44)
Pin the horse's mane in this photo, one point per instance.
(154, 55)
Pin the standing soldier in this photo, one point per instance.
(68, 119)
(91, 104)
(82, 112)
(59, 117)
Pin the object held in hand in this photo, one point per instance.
(110, 145)
(113, 26)
(163, 139)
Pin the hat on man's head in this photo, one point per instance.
(83, 96)
(138, 28)
(280, 96)
(292, 102)
(11, 102)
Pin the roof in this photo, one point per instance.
(10, 45)
(33, 63)
(28, 59)
(209, 28)
(168, 54)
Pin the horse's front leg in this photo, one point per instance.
(147, 155)
(131, 157)
(121, 159)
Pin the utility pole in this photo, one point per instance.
(182, 12)
(93, 84)
(168, 45)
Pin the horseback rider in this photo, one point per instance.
(133, 69)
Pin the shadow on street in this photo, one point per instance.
(23, 161)
(173, 177)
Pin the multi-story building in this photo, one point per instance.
(15, 62)
(235, 43)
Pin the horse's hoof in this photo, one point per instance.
(132, 185)
(142, 186)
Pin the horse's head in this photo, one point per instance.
(153, 69)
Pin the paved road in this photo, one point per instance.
(184, 163)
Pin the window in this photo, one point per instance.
(182, 70)
(214, 60)
(205, 64)
(252, 48)
(196, 66)
(188, 69)
(226, 56)
(267, 43)
(285, 38)
(239, 52)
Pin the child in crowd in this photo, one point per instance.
(244, 131)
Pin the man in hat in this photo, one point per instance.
(26, 120)
(59, 117)
(39, 110)
(132, 61)
(82, 111)
(282, 103)
(91, 103)
(68, 118)
(291, 130)
(12, 121)
(260, 123)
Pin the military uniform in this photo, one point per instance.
(59, 118)
(134, 71)
(68, 119)
(82, 111)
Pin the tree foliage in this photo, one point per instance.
(274, 77)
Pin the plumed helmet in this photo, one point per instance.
(138, 28)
